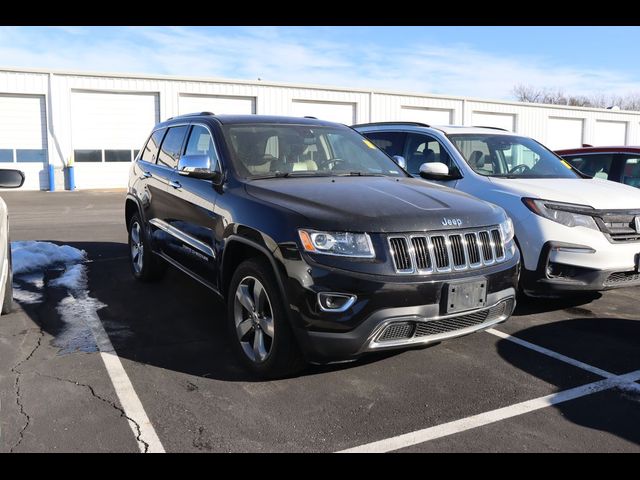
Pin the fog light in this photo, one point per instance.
(335, 302)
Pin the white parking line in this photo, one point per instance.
(139, 422)
(551, 353)
(439, 431)
(420, 436)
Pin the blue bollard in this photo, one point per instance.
(72, 178)
(52, 180)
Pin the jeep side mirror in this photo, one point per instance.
(402, 163)
(435, 171)
(197, 166)
(10, 178)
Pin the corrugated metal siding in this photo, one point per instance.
(552, 125)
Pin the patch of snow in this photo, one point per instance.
(76, 335)
(32, 256)
(26, 296)
(36, 279)
(74, 278)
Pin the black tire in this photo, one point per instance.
(283, 357)
(7, 303)
(147, 267)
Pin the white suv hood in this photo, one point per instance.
(597, 193)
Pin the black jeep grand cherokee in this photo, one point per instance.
(323, 247)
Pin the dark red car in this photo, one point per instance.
(618, 164)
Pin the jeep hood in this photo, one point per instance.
(597, 193)
(374, 204)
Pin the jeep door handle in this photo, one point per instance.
(175, 184)
(147, 175)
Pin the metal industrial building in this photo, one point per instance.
(98, 121)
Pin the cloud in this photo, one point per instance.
(298, 55)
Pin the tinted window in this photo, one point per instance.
(117, 155)
(631, 170)
(171, 145)
(87, 155)
(150, 151)
(391, 142)
(597, 165)
(30, 155)
(424, 149)
(201, 143)
(6, 155)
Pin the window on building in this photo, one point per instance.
(150, 151)
(171, 145)
(117, 155)
(25, 155)
(87, 155)
(6, 155)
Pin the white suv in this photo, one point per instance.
(575, 233)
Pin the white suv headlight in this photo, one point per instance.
(567, 214)
(345, 244)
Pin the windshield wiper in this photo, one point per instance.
(359, 174)
(290, 174)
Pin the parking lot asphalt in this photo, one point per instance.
(482, 392)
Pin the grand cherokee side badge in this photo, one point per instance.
(451, 222)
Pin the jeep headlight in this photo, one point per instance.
(568, 214)
(506, 229)
(345, 244)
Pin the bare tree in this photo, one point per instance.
(528, 93)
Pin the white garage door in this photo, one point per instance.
(488, 119)
(564, 133)
(216, 104)
(430, 116)
(610, 133)
(23, 129)
(330, 111)
(111, 127)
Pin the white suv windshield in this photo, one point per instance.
(510, 156)
(283, 150)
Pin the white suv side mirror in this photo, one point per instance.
(434, 171)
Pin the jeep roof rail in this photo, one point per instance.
(309, 116)
(492, 128)
(191, 115)
(415, 124)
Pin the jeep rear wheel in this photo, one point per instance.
(257, 324)
(145, 266)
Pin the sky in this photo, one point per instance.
(485, 62)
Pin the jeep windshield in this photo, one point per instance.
(510, 156)
(289, 150)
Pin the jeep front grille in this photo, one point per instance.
(446, 252)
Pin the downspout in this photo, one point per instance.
(52, 135)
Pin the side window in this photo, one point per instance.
(631, 171)
(392, 143)
(150, 151)
(171, 145)
(425, 149)
(597, 166)
(201, 143)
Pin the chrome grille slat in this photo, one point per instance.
(497, 243)
(472, 248)
(442, 252)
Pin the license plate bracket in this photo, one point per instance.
(463, 296)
